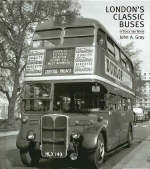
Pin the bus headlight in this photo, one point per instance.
(73, 156)
(25, 119)
(75, 135)
(31, 135)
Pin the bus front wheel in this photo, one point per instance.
(97, 157)
(30, 158)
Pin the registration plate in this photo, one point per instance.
(54, 154)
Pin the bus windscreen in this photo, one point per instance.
(78, 97)
(37, 97)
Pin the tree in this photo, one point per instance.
(17, 20)
(134, 56)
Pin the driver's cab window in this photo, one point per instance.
(101, 38)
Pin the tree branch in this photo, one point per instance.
(6, 67)
(22, 69)
(5, 92)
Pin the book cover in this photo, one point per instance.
(75, 84)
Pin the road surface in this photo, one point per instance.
(9, 155)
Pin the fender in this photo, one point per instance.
(21, 143)
(90, 136)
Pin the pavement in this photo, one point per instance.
(8, 133)
(139, 158)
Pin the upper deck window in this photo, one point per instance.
(79, 41)
(47, 34)
(45, 43)
(77, 31)
(117, 53)
(123, 60)
(123, 63)
(110, 47)
(128, 67)
(101, 38)
(46, 38)
(79, 36)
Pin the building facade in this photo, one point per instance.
(3, 108)
(144, 101)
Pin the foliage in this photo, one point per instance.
(17, 21)
(134, 56)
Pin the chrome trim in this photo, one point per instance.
(53, 116)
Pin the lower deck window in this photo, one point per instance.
(36, 105)
(78, 97)
(36, 97)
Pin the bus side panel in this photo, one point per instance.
(124, 123)
(100, 61)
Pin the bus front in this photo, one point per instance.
(59, 93)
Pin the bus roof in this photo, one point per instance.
(78, 22)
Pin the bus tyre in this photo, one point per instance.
(97, 157)
(30, 158)
(130, 136)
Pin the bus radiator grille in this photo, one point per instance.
(54, 135)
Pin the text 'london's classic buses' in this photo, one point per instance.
(78, 92)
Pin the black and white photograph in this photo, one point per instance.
(74, 84)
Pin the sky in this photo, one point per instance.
(96, 9)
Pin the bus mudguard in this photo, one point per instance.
(90, 137)
(21, 143)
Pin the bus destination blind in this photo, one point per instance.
(79, 60)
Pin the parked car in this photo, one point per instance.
(139, 114)
(146, 115)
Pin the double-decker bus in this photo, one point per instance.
(78, 92)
